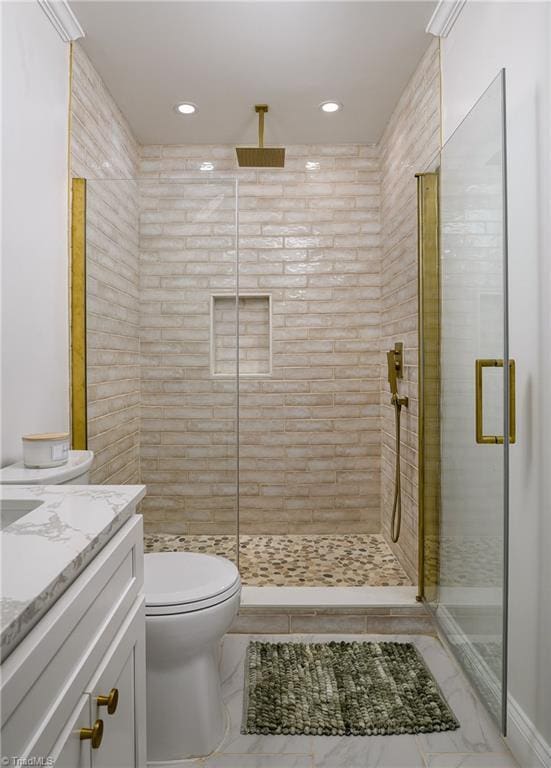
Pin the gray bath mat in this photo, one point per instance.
(341, 689)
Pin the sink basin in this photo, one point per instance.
(12, 510)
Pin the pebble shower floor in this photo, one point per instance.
(346, 560)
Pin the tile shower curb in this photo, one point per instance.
(286, 610)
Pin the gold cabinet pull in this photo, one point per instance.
(95, 734)
(479, 407)
(110, 701)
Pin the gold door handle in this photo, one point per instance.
(480, 436)
(110, 701)
(95, 734)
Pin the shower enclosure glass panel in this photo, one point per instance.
(472, 596)
(161, 352)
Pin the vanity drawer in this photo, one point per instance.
(47, 673)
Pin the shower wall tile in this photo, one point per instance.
(103, 149)
(410, 144)
(310, 430)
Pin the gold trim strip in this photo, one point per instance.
(79, 417)
(429, 385)
(481, 438)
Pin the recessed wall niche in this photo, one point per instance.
(255, 335)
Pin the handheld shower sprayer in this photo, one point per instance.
(394, 359)
(392, 378)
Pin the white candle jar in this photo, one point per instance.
(49, 450)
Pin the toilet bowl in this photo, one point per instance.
(191, 601)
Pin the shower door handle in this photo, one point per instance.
(480, 436)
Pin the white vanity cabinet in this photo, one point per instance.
(59, 685)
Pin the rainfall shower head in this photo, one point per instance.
(261, 156)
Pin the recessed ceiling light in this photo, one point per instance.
(206, 166)
(312, 165)
(186, 108)
(330, 106)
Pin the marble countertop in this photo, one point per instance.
(47, 548)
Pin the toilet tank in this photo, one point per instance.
(76, 471)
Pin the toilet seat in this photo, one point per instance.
(185, 582)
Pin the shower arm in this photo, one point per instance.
(261, 110)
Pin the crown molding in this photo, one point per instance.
(444, 17)
(63, 19)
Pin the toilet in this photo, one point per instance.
(191, 602)
(76, 471)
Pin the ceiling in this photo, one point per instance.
(227, 56)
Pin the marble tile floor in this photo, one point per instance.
(353, 560)
(476, 744)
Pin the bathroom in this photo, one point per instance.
(263, 286)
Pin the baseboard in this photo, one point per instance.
(524, 740)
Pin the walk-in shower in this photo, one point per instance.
(235, 368)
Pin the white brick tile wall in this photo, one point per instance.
(311, 240)
(410, 144)
(103, 149)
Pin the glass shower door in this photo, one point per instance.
(477, 383)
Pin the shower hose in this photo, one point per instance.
(396, 523)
